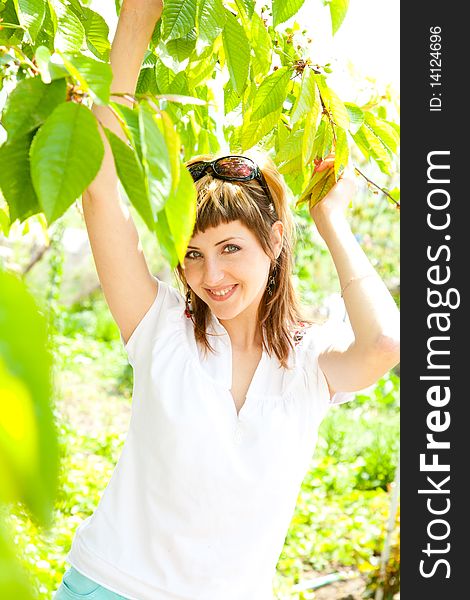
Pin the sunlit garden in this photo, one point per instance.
(65, 383)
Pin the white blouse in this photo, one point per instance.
(201, 498)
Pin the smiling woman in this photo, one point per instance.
(255, 216)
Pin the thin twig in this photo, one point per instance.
(126, 96)
(35, 259)
(378, 187)
(26, 60)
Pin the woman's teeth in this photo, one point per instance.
(222, 292)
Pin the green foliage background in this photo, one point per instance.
(215, 67)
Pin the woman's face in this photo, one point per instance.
(228, 269)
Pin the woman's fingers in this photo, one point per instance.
(326, 163)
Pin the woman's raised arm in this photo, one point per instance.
(372, 312)
(127, 283)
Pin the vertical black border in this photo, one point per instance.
(424, 131)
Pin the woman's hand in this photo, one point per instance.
(336, 201)
(149, 7)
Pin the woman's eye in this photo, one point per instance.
(192, 254)
(230, 248)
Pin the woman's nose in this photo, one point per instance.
(213, 273)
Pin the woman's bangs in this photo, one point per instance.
(225, 204)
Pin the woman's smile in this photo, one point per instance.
(222, 293)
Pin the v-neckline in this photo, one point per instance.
(229, 371)
(250, 387)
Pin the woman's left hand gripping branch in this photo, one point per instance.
(336, 201)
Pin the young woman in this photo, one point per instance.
(230, 385)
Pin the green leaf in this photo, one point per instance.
(323, 142)
(285, 9)
(341, 151)
(27, 432)
(231, 98)
(146, 82)
(43, 57)
(10, 36)
(30, 103)
(30, 15)
(66, 155)
(253, 131)
(97, 33)
(15, 178)
(173, 145)
(356, 116)
(246, 7)
(53, 15)
(210, 21)
(70, 35)
(394, 126)
(178, 18)
(395, 193)
(165, 239)
(176, 220)
(321, 188)
(132, 177)
(48, 29)
(164, 76)
(155, 159)
(308, 100)
(49, 68)
(293, 165)
(18, 436)
(333, 104)
(291, 148)
(262, 46)
(317, 188)
(372, 147)
(131, 127)
(271, 93)
(338, 10)
(181, 213)
(310, 131)
(93, 76)
(5, 223)
(386, 133)
(181, 48)
(237, 52)
(199, 71)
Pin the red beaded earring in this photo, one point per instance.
(189, 309)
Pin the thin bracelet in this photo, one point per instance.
(357, 279)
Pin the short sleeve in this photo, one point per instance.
(166, 310)
(331, 333)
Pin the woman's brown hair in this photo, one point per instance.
(220, 201)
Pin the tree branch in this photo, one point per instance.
(369, 181)
(35, 259)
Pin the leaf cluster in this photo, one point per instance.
(54, 61)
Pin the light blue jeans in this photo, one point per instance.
(75, 586)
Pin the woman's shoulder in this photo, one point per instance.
(165, 317)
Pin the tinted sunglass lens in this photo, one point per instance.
(196, 170)
(234, 167)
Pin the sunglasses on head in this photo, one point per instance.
(231, 168)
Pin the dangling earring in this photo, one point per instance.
(189, 309)
(272, 281)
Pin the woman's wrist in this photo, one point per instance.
(329, 222)
(144, 9)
